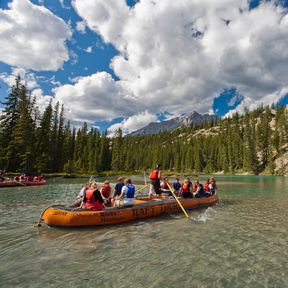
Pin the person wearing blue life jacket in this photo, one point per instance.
(127, 194)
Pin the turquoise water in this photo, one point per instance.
(241, 242)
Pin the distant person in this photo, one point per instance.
(80, 196)
(212, 186)
(177, 186)
(186, 190)
(23, 178)
(106, 193)
(206, 186)
(126, 197)
(164, 186)
(200, 192)
(2, 176)
(155, 177)
(92, 198)
(118, 186)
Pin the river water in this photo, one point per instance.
(241, 242)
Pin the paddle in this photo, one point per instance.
(137, 192)
(178, 201)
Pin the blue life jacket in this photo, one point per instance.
(131, 191)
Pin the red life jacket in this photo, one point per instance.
(91, 203)
(206, 187)
(106, 191)
(185, 187)
(154, 175)
(165, 186)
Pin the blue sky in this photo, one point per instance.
(130, 63)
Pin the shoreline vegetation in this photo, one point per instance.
(253, 143)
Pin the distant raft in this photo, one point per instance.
(24, 183)
(65, 216)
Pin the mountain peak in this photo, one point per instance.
(174, 123)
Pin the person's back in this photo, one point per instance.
(129, 192)
(155, 177)
(92, 198)
(118, 187)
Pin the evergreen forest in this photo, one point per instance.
(34, 142)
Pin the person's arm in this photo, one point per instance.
(123, 190)
(83, 200)
(98, 196)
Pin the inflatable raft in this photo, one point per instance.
(16, 183)
(59, 215)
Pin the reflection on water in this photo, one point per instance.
(241, 242)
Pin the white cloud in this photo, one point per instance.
(133, 123)
(95, 98)
(32, 37)
(176, 56)
(88, 49)
(28, 78)
(42, 100)
(81, 27)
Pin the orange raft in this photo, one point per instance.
(59, 215)
(25, 183)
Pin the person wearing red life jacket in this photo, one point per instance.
(92, 198)
(155, 177)
(186, 190)
(164, 186)
(206, 186)
(106, 193)
(212, 186)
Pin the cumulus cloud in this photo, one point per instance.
(42, 100)
(177, 56)
(32, 37)
(95, 97)
(81, 27)
(28, 78)
(133, 123)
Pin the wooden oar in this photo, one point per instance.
(20, 183)
(178, 201)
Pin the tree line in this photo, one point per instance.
(34, 142)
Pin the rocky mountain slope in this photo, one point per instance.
(174, 123)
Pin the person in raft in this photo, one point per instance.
(177, 187)
(186, 190)
(126, 198)
(92, 198)
(106, 193)
(80, 196)
(212, 186)
(118, 187)
(206, 186)
(164, 186)
(1, 176)
(200, 192)
(155, 177)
